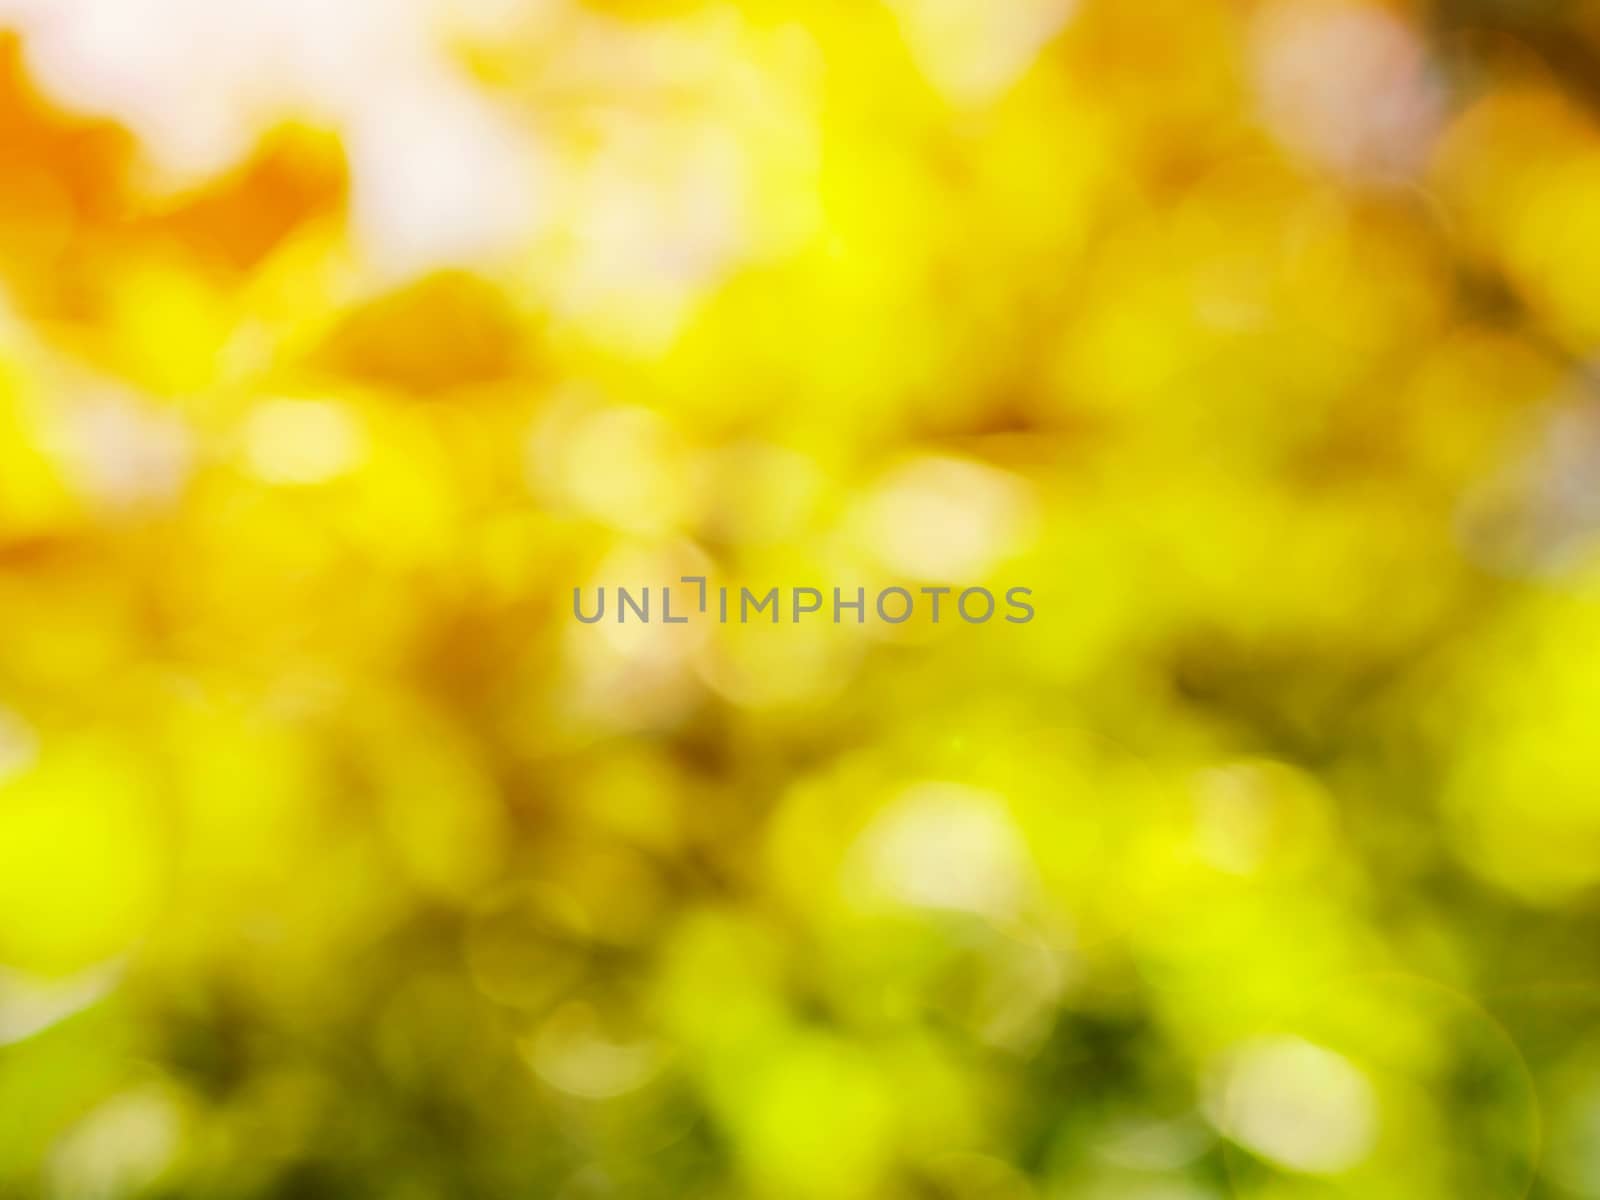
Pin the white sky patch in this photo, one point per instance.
(1348, 86)
(439, 174)
(627, 174)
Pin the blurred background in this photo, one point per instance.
(341, 340)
